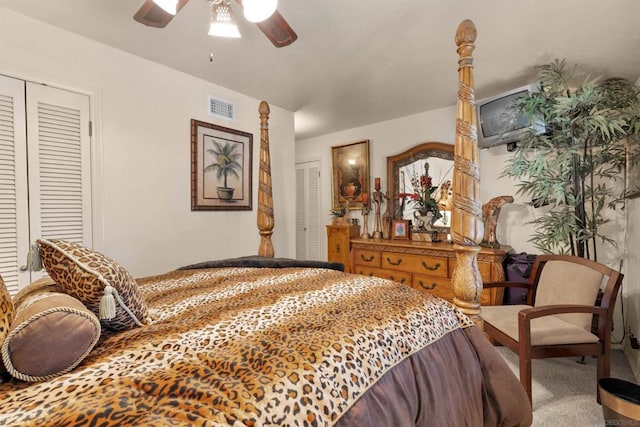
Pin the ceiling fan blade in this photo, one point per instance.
(152, 15)
(277, 30)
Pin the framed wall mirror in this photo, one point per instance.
(406, 176)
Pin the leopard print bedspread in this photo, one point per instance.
(240, 347)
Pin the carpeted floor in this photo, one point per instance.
(564, 391)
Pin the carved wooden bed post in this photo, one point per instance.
(466, 221)
(265, 196)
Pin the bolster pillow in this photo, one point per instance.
(51, 334)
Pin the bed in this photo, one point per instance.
(260, 340)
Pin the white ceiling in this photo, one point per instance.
(358, 62)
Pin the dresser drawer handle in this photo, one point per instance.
(435, 267)
(404, 279)
(367, 259)
(433, 285)
(394, 263)
(370, 274)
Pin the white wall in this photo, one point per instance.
(395, 136)
(513, 229)
(142, 114)
(385, 139)
(631, 284)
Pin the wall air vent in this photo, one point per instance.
(221, 108)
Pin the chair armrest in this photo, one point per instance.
(507, 285)
(527, 314)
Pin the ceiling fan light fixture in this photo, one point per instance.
(169, 6)
(223, 23)
(258, 10)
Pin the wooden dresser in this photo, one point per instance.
(338, 243)
(424, 265)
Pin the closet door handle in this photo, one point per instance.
(23, 268)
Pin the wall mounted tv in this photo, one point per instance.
(498, 123)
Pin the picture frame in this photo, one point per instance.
(400, 229)
(350, 174)
(220, 184)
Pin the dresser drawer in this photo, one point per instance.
(396, 276)
(439, 286)
(427, 265)
(483, 266)
(366, 257)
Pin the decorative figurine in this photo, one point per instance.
(490, 214)
(378, 199)
(365, 216)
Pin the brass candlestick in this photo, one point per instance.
(365, 226)
(378, 200)
(386, 218)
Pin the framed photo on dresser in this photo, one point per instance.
(400, 229)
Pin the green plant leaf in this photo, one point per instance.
(578, 166)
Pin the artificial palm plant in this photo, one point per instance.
(576, 169)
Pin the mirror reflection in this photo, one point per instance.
(420, 185)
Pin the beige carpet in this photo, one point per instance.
(564, 391)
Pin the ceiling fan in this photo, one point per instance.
(275, 27)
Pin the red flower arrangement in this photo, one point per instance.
(423, 189)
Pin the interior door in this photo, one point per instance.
(45, 181)
(14, 204)
(308, 211)
(59, 156)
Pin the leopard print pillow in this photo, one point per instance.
(6, 316)
(6, 306)
(85, 274)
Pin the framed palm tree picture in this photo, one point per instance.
(221, 160)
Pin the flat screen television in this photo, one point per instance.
(498, 124)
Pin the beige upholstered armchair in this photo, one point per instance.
(557, 320)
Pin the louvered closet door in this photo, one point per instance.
(301, 224)
(59, 159)
(308, 211)
(45, 185)
(14, 215)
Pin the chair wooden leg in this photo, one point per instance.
(525, 374)
(524, 354)
(604, 369)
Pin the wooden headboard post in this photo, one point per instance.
(466, 222)
(265, 195)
